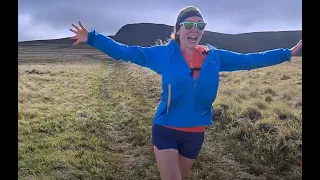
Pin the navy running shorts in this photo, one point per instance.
(188, 144)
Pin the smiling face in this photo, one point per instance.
(191, 38)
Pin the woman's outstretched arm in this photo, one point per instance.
(233, 61)
(143, 56)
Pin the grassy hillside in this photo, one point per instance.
(84, 116)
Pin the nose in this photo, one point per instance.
(194, 29)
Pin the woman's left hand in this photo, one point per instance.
(296, 48)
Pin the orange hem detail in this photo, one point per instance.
(191, 129)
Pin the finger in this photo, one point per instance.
(76, 27)
(74, 31)
(300, 42)
(81, 25)
(299, 46)
(74, 37)
(77, 42)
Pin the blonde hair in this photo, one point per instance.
(175, 36)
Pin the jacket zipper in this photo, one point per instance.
(169, 87)
(195, 81)
(169, 98)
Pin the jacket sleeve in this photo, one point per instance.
(143, 56)
(233, 61)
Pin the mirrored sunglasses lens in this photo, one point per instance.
(188, 25)
(201, 26)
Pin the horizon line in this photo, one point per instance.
(267, 31)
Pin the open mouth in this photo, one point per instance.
(192, 39)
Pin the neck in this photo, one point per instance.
(188, 50)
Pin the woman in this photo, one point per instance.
(190, 78)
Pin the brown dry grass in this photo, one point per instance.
(88, 117)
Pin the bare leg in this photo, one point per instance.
(168, 163)
(185, 165)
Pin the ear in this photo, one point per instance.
(178, 32)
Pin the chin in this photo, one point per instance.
(189, 45)
(193, 45)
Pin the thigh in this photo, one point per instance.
(190, 144)
(185, 165)
(162, 138)
(168, 163)
(166, 153)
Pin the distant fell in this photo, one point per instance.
(145, 34)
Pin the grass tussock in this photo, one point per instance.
(263, 133)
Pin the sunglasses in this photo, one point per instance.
(190, 25)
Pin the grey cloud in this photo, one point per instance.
(110, 15)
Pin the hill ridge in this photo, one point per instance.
(146, 34)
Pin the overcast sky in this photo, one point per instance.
(43, 19)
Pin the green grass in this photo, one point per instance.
(91, 119)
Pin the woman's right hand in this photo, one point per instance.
(81, 34)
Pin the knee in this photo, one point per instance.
(170, 175)
(184, 177)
